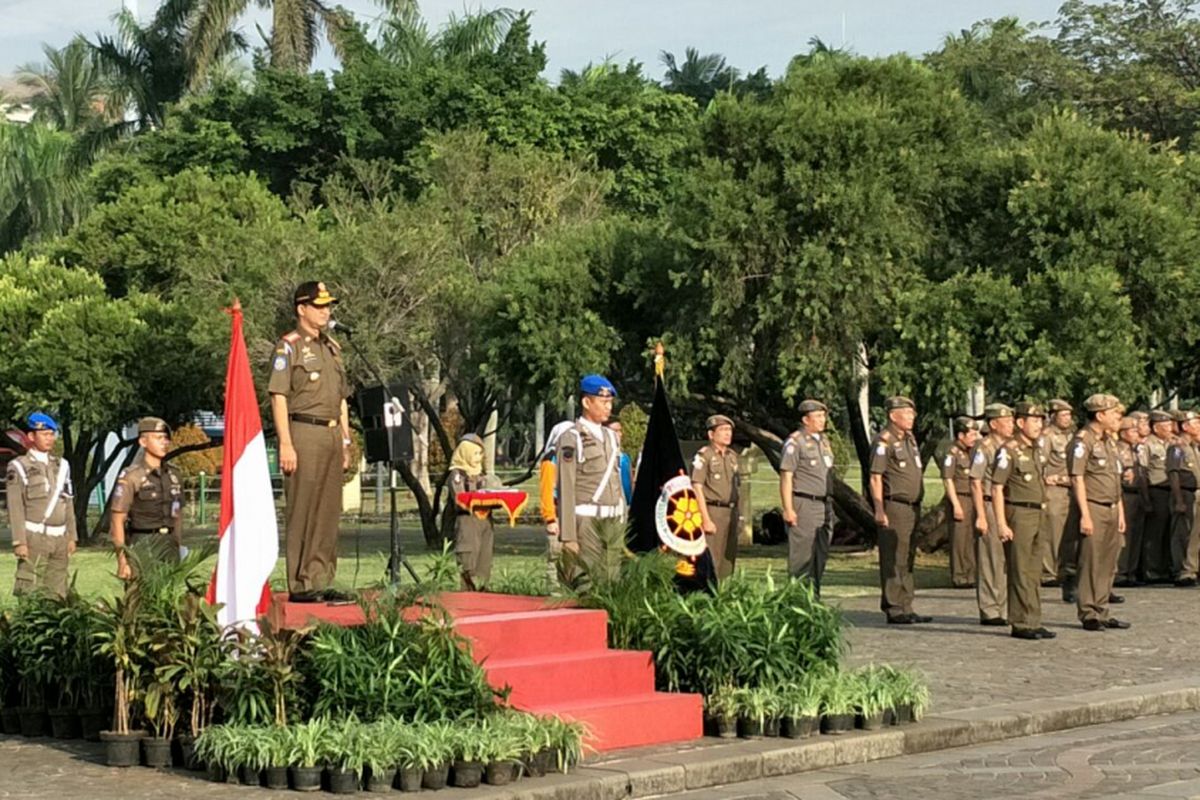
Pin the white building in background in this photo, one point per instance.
(14, 101)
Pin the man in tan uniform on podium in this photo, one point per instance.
(308, 389)
(715, 478)
(589, 475)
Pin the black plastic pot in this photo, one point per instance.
(410, 779)
(727, 727)
(750, 727)
(800, 727)
(276, 777)
(771, 727)
(215, 773)
(156, 752)
(533, 766)
(249, 776)
(183, 754)
(91, 722)
(306, 779)
(436, 777)
(121, 749)
(870, 722)
(501, 773)
(381, 780)
(467, 774)
(10, 721)
(343, 781)
(33, 721)
(904, 714)
(837, 723)
(64, 723)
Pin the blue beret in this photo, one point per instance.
(597, 386)
(37, 421)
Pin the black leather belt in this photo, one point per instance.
(964, 494)
(1102, 503)
(149, 530)
(717, 503)
(307, 420)
(913, 503)
(1160, 487)
(1133, 490)
(1021, 504)
(820, 498)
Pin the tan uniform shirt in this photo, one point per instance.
(956, 466)
(1181, 459)
(983, 459)
(1094, 456)
(895, 456)
(1019, 468)
(1156, 459)
(32, 487)
(308, 371)
(1133, 470)
(153, 499)
(1054, 443)
(585, 479)
(717, 474)
(809, 458)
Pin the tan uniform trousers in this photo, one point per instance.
(991, 585)
(1156, 536)
(1098, 555)
(1185, 543)
(1024, 561)
(808, 540)
(1054, 523)
(896, 555)
(314, 507)
(474, 540)
(46, 567)
(961, 537)
(723, 544)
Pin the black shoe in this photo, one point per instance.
(1126, 583)
(336, 596)
(304, 597)
(1116, 599)
(1186, 583)
(994, 621)
(1119, 624)
(920, 619)
(1068, 595)
(903, 619)
(1093, 625)
(1025, 633)
(1044, 633)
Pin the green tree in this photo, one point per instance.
(41, 183)
(69, 89)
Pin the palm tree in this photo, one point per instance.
(41, 183)
(404, 36)
(69, 89)
(699, 76)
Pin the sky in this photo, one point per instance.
(750, 33)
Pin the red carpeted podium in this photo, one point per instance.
(557, 661)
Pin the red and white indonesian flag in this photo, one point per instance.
(249, 537)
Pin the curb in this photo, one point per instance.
(651, 772)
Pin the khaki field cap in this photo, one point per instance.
(1188, 416)
(809, 406)
(963, 424)
(1101, 402)
(1138, 415)
(1026, 409)
(717, 420)
(1157, 416)
(1057, 405)
(1128, 423)
(996, 411)
(898, 401)
(153, 425)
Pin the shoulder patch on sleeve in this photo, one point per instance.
(280, 363)
(568, 453)
(1002, 458)
(881, 450)
(1080, 448)
(948, 460)
(698, 461)
(979, 457)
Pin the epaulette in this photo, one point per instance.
(884, 436)
(292, 337)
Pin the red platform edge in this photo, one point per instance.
(555, 659)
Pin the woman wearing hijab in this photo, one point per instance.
(472, 530)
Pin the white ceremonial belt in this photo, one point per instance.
(49, 530)
(594, 510)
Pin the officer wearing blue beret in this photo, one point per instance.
(41, 511)
(589, 475)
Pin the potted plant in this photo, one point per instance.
(161, 711)
(752, 712)
(347, 755)
(33, 640)
(10, 679)
(384, 741)
(773, 706)
(537, 754)
(802, 708)
(306, 753)
(122, 640)
(722, 706)
(438, 741)
(502, 748)
(838, 703)
(412, 757)
(910, 694)
(470, 751)
(192, 651)
(567, 737)
(216, 747)
(276, 746)
(97, 680)
(874, 697)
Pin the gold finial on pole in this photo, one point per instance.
(660, 359)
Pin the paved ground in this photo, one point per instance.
(1153, 758)
(970, 666)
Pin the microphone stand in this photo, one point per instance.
(397, 556)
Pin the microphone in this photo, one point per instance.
(335, 325)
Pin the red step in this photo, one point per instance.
(526, 634)
(570, 678)
(634, 721)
